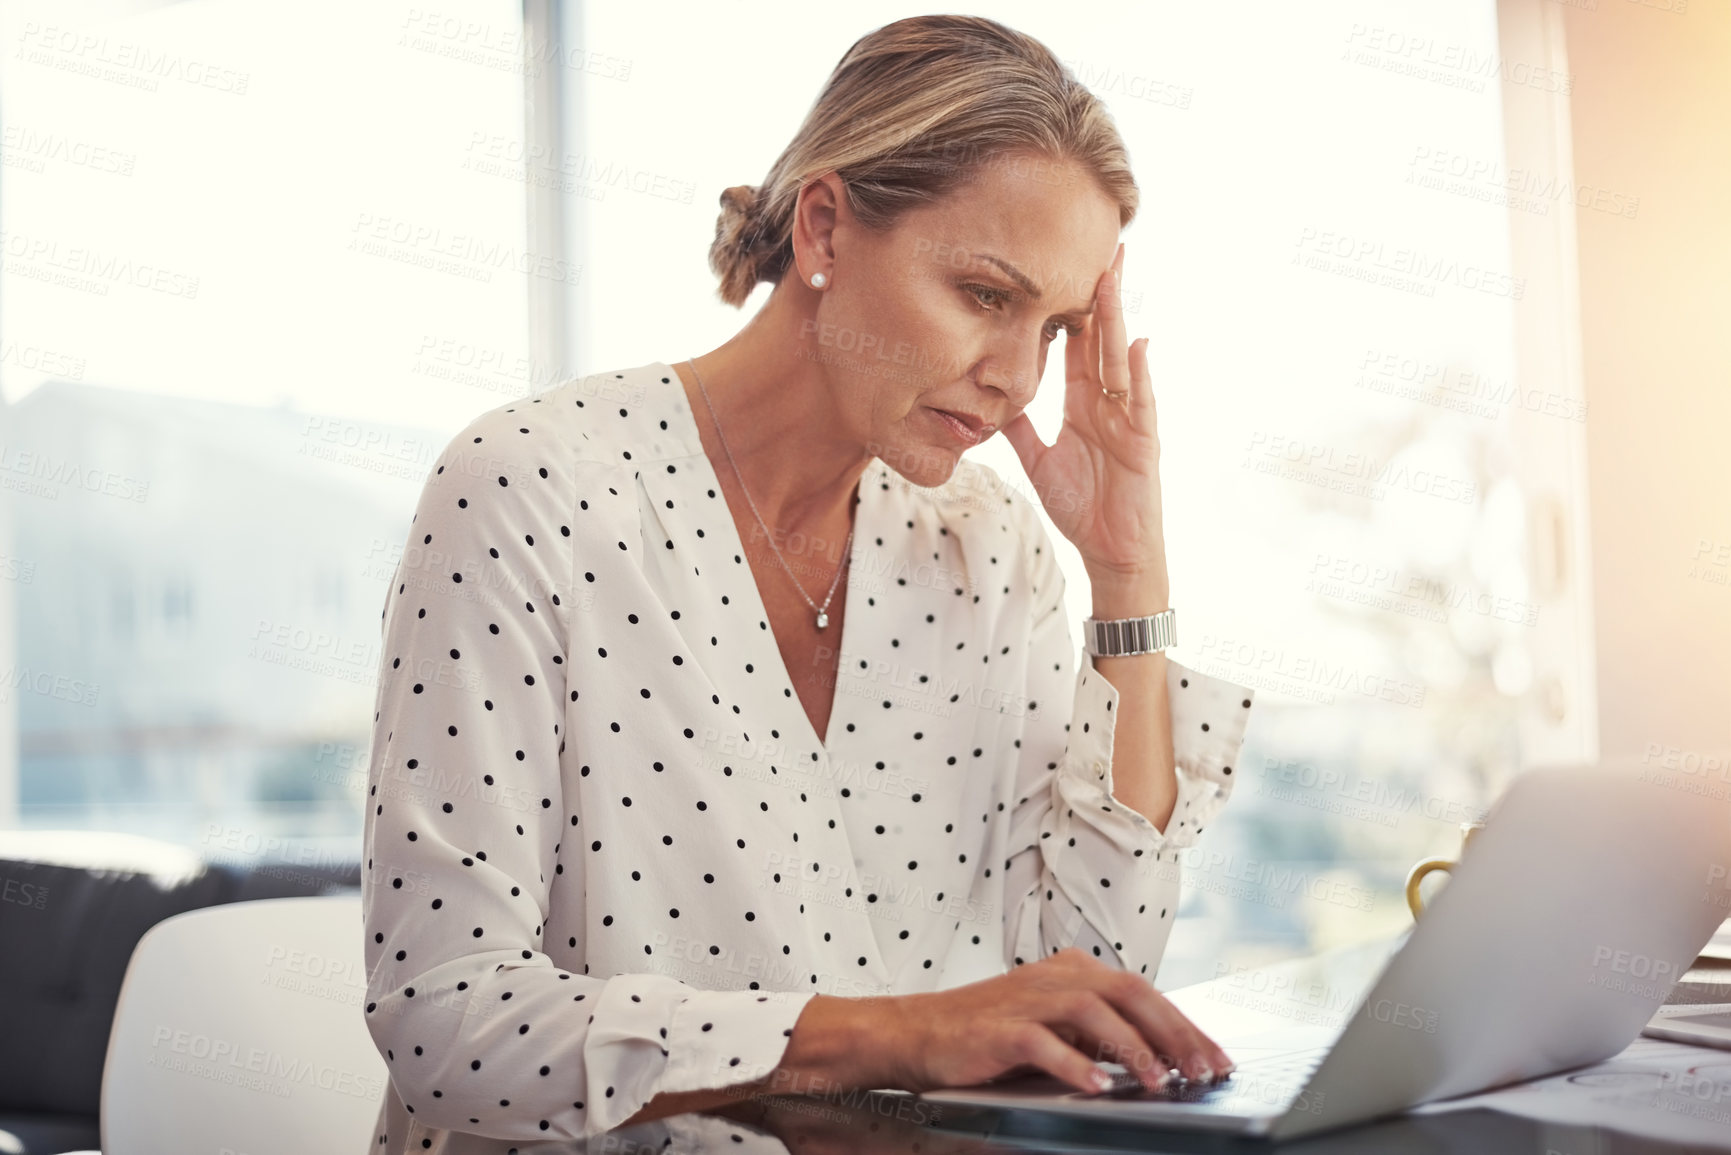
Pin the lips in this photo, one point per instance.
(972, 428)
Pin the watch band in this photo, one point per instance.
(1118, 637)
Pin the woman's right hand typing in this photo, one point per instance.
(1058, 1015)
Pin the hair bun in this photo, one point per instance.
(737, 232)
(738, 206)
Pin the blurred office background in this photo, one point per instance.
(1435, 290)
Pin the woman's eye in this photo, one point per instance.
(987, 296)
(991, 295)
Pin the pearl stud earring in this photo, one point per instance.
(818, 280)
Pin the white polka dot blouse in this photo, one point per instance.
(606, 854)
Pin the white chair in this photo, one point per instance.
(240, 1028)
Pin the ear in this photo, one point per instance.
(822, 204)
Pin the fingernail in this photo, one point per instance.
(1205, 1075)
(1102, 1079)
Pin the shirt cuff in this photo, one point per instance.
(719, 1038)
(1209, 718)
(648, 1036)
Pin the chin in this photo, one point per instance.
(921, 463)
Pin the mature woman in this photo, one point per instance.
(729, 731)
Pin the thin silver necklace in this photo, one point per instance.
(821, 611)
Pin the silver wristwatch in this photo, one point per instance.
(1117, 637)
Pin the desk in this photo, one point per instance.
(835, 1128)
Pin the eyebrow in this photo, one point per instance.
(1027, 286)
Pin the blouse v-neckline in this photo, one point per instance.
(864, 525)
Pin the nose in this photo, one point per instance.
(1014, 369)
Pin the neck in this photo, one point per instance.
(792, 443)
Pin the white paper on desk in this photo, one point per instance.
(1719, 946)
(1653, 1087)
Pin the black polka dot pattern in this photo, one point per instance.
(607, 856)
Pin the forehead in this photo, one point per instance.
(1051, 220)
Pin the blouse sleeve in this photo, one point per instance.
(1084, 869)
(467, 825)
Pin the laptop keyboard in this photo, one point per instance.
(1270, 1075)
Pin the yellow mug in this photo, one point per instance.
(1417, 874)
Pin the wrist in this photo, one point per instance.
(888, 1041)
(842, 1043)
(1134, 596)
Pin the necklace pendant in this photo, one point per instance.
(822, 619)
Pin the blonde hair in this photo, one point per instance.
(913, 110)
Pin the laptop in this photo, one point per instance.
(1573, 913)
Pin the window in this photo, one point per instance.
(256, 268)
